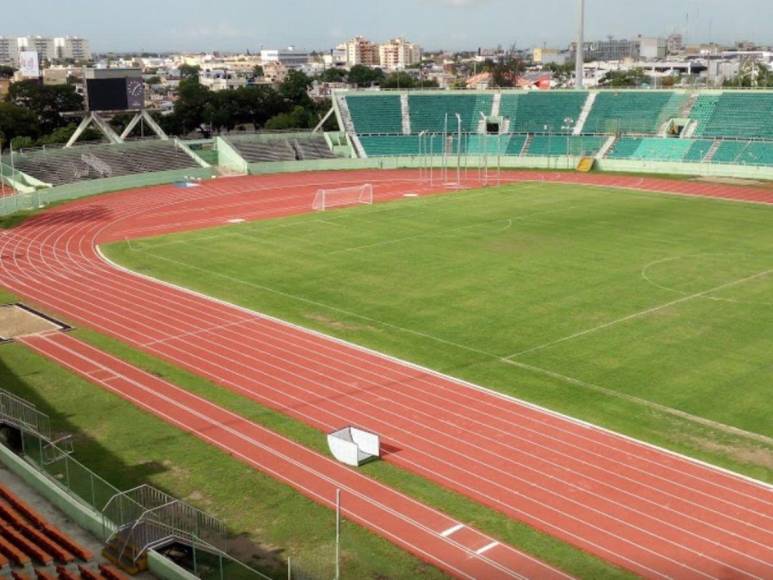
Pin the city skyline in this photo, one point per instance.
(240, 25)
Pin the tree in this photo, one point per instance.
(298, 118)
(191, 103)
(364, 76)
(46, 102)
(189, 71)
(258, 72)
(16, 122)
(506, 71)
(333, 75)
(6, 72)
(624, 79)
(295, 87)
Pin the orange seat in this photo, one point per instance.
(14, 554)
(40, 539)
(111, 573)
(21, 506)
(65, 574)
(88, 574)
(68, 543)
(33, 551)
(43, 575)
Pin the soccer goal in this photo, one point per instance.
(341, 196)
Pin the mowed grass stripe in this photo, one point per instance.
(458, 282)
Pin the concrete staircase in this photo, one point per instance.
(525, 148)
(586, 109)
(712, 151)
(608, 144)
(496, 105)
(406, 114)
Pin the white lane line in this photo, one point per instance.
(451, 530)
(486, 548)
(641, 313)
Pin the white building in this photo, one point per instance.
(652, 48)
(289, 58)
(398, 54)
(48, 48)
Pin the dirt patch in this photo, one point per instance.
(729, 180)
(18, 320)
(748, 454)
(337, 324)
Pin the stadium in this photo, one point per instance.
(477, 334)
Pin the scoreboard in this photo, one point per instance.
(114, 89)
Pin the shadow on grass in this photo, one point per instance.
(124, 476)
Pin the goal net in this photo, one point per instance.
(342, 196)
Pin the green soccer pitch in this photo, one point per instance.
(647, 313)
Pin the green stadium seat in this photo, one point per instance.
(633, 111)
(375, 113)
(532, 112)
(429, 112)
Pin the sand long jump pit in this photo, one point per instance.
(17, 320)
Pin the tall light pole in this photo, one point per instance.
(579, 72)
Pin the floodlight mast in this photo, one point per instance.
(579, 71)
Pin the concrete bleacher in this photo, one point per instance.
(85, 162)
(258, 148)
(429, 112)
(633, 111)
(375, 113)
(312, 147)
(30, 546)
(534, 112)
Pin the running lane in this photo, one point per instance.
(650, 511)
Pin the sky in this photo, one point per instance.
(238, 25)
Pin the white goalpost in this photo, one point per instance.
(342, 196)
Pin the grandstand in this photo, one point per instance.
(85, 162)
(682, 127)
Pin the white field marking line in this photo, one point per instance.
(452, 530)
(319, 304)
(255, 443)
(644, 402)
(469, 385)
(198, 332)
(486, 548)
(436, 232)
(639, 314)
(688, 458)
(645, 275)
(582, 538)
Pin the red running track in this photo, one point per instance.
(655, 513)
(402, 520)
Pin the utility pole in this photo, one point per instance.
(579, 73)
